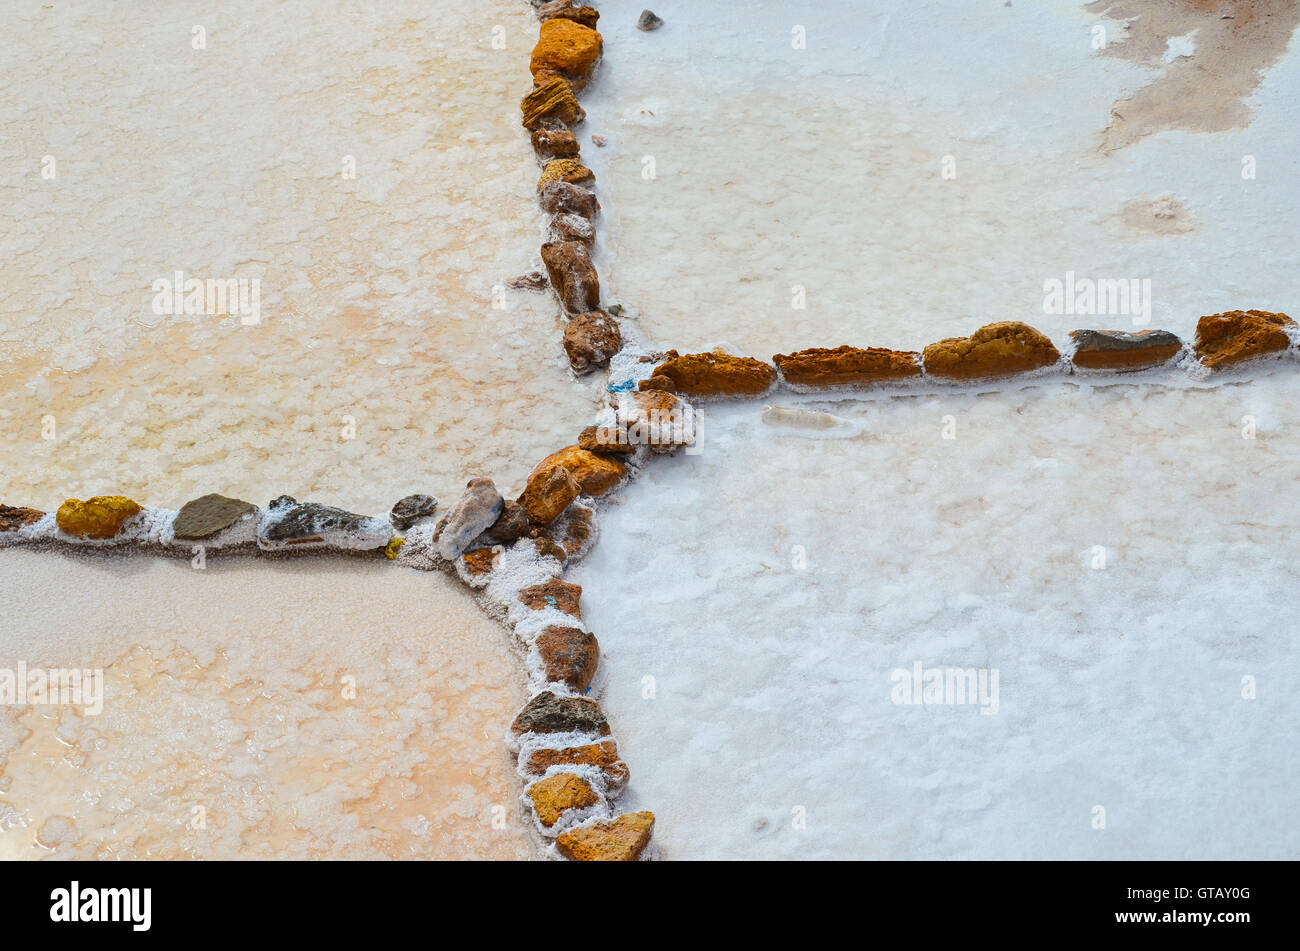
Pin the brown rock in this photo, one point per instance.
(602, 756)
(511, 525)
(1234, 337)
(480, 561)
(590, 339)
(209, 514)
(555, 593)
(569, 655)
(658, 382)
(577, 529)
(996, 350)
(562, 198)
(532, 281)
(568, 48)
(1122, 350)
(548, 547)
(714, 374)
(596, 474)
(14, 517)
(550, 713)
(551, 100)
(555, 795)
(573, 228)
(97, 517)
(568, 10)
(848, 366)
(604, 439)
(622, 840)
(565, 170)
(572, 275)
(555, 143)
(548, 493)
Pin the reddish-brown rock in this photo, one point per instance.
(572, 275)
(715, 374)
(622, 840)
(555, 593)
(562, 198)
(604, 439)
(573, 228)
(14, 517)
(555, 143)
(596, 474)
(569, 656)
(848, 366)
(551, 100)
(590, 339)
(602, 756)
(568, 10)
(555, 795)
(1121, 350)
(548, 493)
(995, 350)
(1238, 336)
(568, 48)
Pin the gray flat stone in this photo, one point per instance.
(205, 516)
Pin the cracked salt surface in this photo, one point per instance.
(1120, 687)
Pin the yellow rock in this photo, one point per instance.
(596, 474)
(97, 517)
(622, 840)
(553, 795)
(548, 493)
(565, 170)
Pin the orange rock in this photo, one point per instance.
(602, 756)
(554, 594)
(569, 654)
(715, 374)
(97, 517)
(567, 47)
(565, 170)
(596, 474)
(622, 840)
(480, 561)
(554, 795)
(847, 366)
(552, 99)
(995, 350)
(1224, 340)
(548, 493)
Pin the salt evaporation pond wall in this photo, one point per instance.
(225, 692)
(376, 291)
(1119, 686)
(821, 168)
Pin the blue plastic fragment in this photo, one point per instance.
(623, 386)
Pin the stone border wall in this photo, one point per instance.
(512, 553)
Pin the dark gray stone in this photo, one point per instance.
(290, 522)
(413, 507)
(548, 713)
(647, 21)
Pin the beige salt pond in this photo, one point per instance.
(228, 729)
